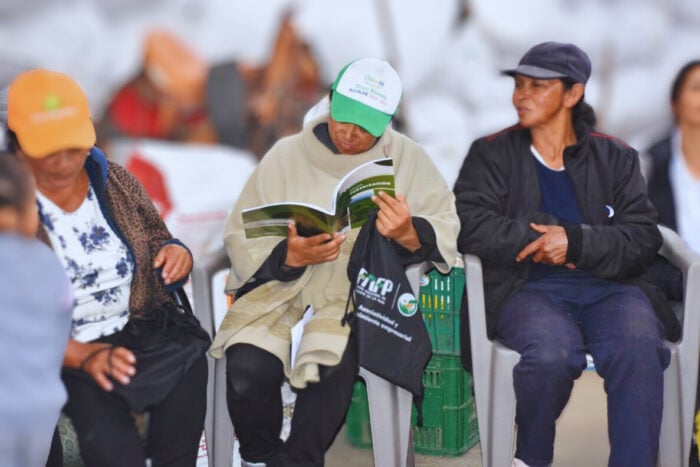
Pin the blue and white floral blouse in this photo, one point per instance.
(96, 261)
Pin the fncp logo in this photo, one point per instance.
(374, 284)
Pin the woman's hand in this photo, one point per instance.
(549, 248)
(175, 261)
(102, 362)
(302, 251)
(394, 220)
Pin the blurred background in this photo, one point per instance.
(190, 93)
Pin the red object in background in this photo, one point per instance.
(153, 181)
(135, 115)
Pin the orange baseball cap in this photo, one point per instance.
(48, 112)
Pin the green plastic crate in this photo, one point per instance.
(440, 301)
(357, 426)
(449, 414)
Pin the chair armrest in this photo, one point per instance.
(475, 296)
(678, 253)
(202, 274)
(413, 274)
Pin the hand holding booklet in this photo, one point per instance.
(350, 205)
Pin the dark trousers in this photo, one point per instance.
(552, 323)
(254, 377)
(108, 436)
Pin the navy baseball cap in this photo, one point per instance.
(550, 60)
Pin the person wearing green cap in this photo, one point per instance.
(274, 279)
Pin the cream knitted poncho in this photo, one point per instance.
(301, 168)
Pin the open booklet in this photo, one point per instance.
(350, 204)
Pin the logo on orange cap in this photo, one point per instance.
(48, 112)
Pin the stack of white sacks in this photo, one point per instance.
(453, 91)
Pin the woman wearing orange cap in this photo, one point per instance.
(122, 261)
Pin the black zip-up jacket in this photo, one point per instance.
(498, 196)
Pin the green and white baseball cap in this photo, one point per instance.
(366, 93)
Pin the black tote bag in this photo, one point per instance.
(166, 345)
(392, 339)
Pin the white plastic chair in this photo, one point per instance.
(493, 367)
(217, 425)
(389, 405)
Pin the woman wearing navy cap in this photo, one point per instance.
(559, 216)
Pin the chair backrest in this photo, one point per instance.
(203, 294)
